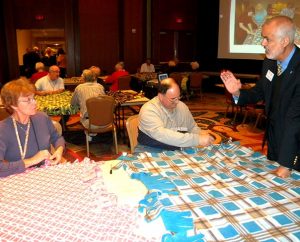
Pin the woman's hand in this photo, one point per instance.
(37, 158)
(57, 156)
(232, 84)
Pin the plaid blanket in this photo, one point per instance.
(225, 192)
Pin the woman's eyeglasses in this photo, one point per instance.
(28, 100)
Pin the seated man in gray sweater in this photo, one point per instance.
(166, 123)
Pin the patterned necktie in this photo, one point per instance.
(279, 69)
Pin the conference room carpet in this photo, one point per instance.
(209, 113)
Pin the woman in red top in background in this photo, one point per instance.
(40, 68)
(113, 78)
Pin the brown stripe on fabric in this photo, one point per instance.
(197, 188)
(295, 183)
(220, 184)
(190, 206)
(279, 232)
(255, 212)
(202, 223)
(296, 200)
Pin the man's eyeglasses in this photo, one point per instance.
(28, 100)
(174, 99)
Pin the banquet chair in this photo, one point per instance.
(177, 76)
(124, 82)
(101, 114)
(257, 109)
(196, 83)
(58, 128)
(183, 82)
(235, 109)
(132, 129)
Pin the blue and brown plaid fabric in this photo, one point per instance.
(228, 190)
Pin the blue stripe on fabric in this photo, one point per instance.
(258, 200)
(228, 232)
(195, 198)
(252, 227)
(276, 196)
(208, 210)
(282, 219)
(231, 206)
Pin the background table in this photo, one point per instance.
(127, 99)
(71, 83)
(57, 105)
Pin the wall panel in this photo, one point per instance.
(173, 16)
(99, 34)
(134, 34)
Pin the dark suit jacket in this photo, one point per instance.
(288, 111)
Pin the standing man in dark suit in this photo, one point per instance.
(279, 87)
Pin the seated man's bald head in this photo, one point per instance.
(167, 84)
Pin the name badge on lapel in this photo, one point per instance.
(270, 75)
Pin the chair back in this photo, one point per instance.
(3, 113)
(177, 76)
(228, 97)
(57, 127)
(101, 110)
(196, 80)
(132, 124)
(124, 82)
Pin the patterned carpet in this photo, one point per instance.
(209, 113)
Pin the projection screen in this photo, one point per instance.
(240, 23)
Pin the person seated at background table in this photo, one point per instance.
(50, 84)
(147, 66)
(61, 61)
(279, 88)
(113, 78)
(166, 123)
(97, 72)
(49, 58)
(194, 66)
(40, 72)
(26, 135)
(85, 91)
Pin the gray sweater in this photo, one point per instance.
(162, 125)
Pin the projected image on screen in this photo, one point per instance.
(247, 18)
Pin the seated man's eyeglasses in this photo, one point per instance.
(174, 99)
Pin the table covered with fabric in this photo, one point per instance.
(225, 192)
(56, 104)
(67, 202)
(127, 99)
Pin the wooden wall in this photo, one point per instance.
(134, 33)
(99, 33)
(19, 14)
(166, 16)
(4, 76)
(111, 31)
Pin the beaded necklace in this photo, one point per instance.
(22, 152)
(52, 84)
